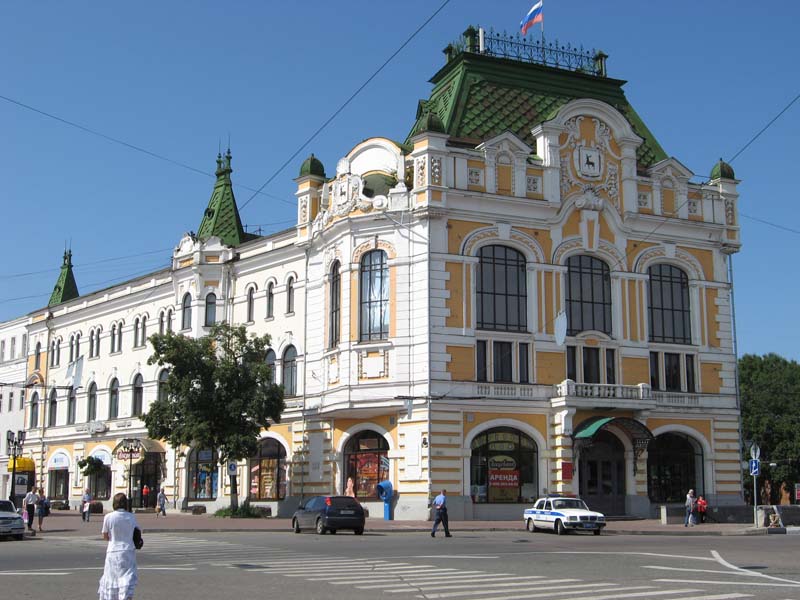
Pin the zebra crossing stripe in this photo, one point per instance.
(477, 592)
(648, 594)
(422, 578)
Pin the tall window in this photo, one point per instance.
(335, 305)
(503, 467)
(268, 471)
(674, 465)
(588, 295)
(270, 360)
(113, 399)
(37, 364)
(162, 384)
(161, 323)
(91, 343)
(143, 338)
(501, 289)
(251, 301)
(71, 348)
(211, 309)
(169, 320)
(100, 483)
(669, 305)
(289, 372)
(366, 461)
(72, 402)
(186, 312)
(113, 339)
(374, 294)
(202, 474)
(138, 396)
(119, 337)
(270, 300)
(77, 346)
(290, 295)
(91, 403)
(52, 410)
(34, 420)
(58, 352)
(97, 342)
(136, 333)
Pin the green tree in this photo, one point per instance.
(770, 394)
(219, 393)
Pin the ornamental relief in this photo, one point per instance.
(470, 246)
(345, 195)
(589, 165)
(605, 250)
(373, 244)
(687, 261)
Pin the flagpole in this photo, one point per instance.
(542, 24)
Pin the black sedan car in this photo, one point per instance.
(329, 513)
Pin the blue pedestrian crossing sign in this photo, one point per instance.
(755, 466)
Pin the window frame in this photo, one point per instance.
(113, 399)
(373, 274)
(91, 403)
(186, 312)
(52, 409)
(512, 261)
(661, 311)
(581, 267)
(575, 363)
(290, 296)
(289, 372)
(251, 305)
(334, 305)
(270, 300)
(137, 398)
(210, 313)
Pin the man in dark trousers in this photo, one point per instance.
(440, 506)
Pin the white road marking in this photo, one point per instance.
(167, 568)
(648, 594)
(399, 579)
(466, 556)
(376, 570)
(719, 597)
(745, 583)
(725, 563)
(454, 580)
(474, 586)
(477, 592)
(693, 570)
(370, 575)
(35, 573)
(567, 588)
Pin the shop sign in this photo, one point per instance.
(502, 462)
(503, 478)
(20, 484)
(133, 456)
(59, 460)
(566, 471)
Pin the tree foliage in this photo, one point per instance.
(770, 396)
(91, 465)
(219, 393)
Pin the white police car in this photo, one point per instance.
(561, 515)
(10, 521)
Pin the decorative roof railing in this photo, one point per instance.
(542, 52)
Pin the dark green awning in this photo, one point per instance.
(638, 433)
(592, 428)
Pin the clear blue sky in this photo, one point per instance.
(178, 77)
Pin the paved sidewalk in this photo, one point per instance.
(70, 523)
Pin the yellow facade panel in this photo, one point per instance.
(705, 258)
(711, 317)
(710, 376)
(635, 370)
(455, 303)
(457, 231)
(504, 175)
(462, 363)
(551, 367)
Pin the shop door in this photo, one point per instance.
(147, 473)
(602, 475)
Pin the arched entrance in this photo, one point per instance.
(674, 466)
(366, 461)
(600, 445)
(503, 467)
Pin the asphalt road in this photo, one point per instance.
(468, 566)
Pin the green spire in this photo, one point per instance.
(221, 218)
(65, 289)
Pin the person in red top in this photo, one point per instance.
(145, 495)
(702, 507)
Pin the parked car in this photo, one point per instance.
(561, 515)
(11, 521)
(329, 513)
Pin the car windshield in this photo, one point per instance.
(6, 506)
(569, 503)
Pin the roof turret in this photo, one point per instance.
(221, 218)
(65, 289)
(722, 170)
(312, 166)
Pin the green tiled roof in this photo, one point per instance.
(477, 97)
(312, 166)
(221, 218)
(722, 170)
(65, 289)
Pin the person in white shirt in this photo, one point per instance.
(30, 501)
(120, 574)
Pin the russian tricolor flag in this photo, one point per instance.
(535, 15)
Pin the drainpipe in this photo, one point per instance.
(736, 370)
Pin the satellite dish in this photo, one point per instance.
(561, 328)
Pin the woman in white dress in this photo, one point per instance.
(119, 575)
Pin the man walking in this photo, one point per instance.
(691, 505)
(440, 506)
(30, 501)
(86, 505)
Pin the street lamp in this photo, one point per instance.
(15, 450)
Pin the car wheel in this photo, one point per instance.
(359, 532)
(530, 526)
(596, 532)
(295, 526)
(560, 529)
(320, 527)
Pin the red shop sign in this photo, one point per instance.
(566, 471)
(503, 478)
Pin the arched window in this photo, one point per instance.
(270, 360)
(113, 399)
(366, 461)
(138, 396)
(72, 402)
(674, 465)
(374, 295)
(169, 319)
(38, 358)
(113, 339)
(143, 338)
(669, 305)
(52, 410)
(58, 352)
(77, 346)
(119, 337)
(270, 300)
(136, 333)
(251, 304)
(289, 372)
(268, 471)
(211, 309)
(290, 295)
(99, 482)
(186, 312)
(71, 348)
(34, 420)
(335, 300)
(161, 323)
(91, 344)
(202, 474)
(97, 342)
(588, 295)
(501, 287)
(162, 385)
(91, 403)
(503, 467)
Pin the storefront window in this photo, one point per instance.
(203, 474)
(366, 460)
(58, 484)
(100, 484)
(503, 467)
(268, 471)
(674, 465)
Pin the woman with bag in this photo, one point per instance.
(42, 508)
(120, 574)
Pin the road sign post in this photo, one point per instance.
(755, 468)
